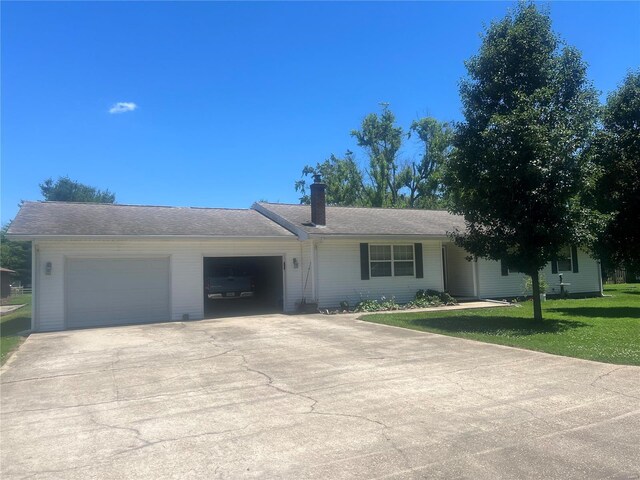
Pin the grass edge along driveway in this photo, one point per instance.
(13, 323)
(604, 329)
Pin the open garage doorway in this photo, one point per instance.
(243, 286)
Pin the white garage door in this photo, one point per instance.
(116, 291)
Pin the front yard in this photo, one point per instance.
(602, 329)
(13, 323)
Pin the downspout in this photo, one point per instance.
(35, 271)
(302, 284)
(476, 286)
(600, 278)
(443, 267)
(314, 277)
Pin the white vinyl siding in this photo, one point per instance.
(186, 264)
(492, 284)
(459, 271)
(307, 272)
(329, 272)
(339, 274)
(115, 291)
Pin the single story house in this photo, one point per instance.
(104, 264)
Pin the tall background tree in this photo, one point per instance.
(616, 193)
(386, 180)
(345, 185)
(17, 255)
(381, 139)
(423, 179)
(66, 190)
(517, 169)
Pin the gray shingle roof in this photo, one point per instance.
(90, 219)
(369, 221)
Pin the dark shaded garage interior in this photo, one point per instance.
(243, 286)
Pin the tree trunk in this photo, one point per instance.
(537, 305)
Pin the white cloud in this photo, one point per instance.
(122, 107)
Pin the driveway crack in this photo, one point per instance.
(313, 410)
(270, 383)
(488, 397)
(148, 443)
(61, 470)
(113, 376)
(606, 374)
(135, 431)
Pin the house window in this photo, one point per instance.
(391, 260)
(403, 260)
(564, 260)
(380, 258)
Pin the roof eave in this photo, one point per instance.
(32, 237)
(280, 220)
(388, 236)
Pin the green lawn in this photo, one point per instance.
(11, 324)
(17, 299)
(603, 329)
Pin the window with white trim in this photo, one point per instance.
(564, 260)
(392, 260)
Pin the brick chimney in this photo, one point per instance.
(318, 202)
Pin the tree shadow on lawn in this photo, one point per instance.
(598, 312)
(630, 292)
(15, 325)
(515, 326)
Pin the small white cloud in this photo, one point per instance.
(122, 107)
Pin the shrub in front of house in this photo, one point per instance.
(527, 285)
(434, 297)
(382, 305)
(368, 306)
(423, 299)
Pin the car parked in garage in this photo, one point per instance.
(228, 282)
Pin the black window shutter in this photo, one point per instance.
(574, 259)
(504, 268)
(554, 266)
(364, 261)
(418, 254)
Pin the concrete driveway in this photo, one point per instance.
(309, 397)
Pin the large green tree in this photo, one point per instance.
(344, 181)
(616, 154)
(517, 169)
(386, 180)
(423, 178)
(66, 190)
(381, 139)
(15, 256)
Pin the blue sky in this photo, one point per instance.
(233, 99)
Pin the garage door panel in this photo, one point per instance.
(117, 291)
